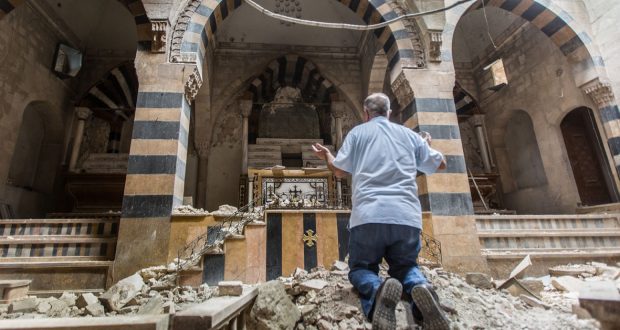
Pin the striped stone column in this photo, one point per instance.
(156, 166)
(603, 97)
(445, 194)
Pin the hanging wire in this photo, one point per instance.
(344, 26)
(484, 12)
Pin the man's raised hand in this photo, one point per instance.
(320, 151)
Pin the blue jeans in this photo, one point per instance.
(370, 243)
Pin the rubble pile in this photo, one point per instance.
(562, 286)
(188, 210)
(147, 292)
(326, 300)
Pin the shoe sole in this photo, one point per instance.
(433, 317)
(384, 316)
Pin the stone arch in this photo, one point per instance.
(559, 26)
(198, 23)
(135, 7)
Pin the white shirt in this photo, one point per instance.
(383, 159)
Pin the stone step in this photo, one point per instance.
(263, 163)
(69, 227)
(549, 233)
(314, 163)
(54, 239)
(538, 222)
(264, 155)
(550, 241)
(307, 149)
(264, 148)
(550, 253)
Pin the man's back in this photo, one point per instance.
(384, 158)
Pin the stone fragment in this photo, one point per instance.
(154, 306)
(128, 310)
(169, 307)
(43, 307)
(324, 325)
(298, 273)
(120, 293)
(567, 283)
(230, 288)
(95, 309)
(315, 284)
(69, 298)
(479, 280)
(307, 309)
(86, 299)
(571, 270)
(26, 305)
(534, 285)
(59, 308)
(581, 312)
(340, 265)
(273, 309)
(534, 302)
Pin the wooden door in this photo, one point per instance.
(585, 157)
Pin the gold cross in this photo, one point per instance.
(310, 238)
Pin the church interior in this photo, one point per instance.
(138, 133)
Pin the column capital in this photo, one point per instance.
(338, 109)
(82, 113)
(476, 120)
(245, 107)
(193, 84)
(601, 93)
(402, 90)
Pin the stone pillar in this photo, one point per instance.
(445, 194)
(82, 114)
(477, 121)
(338, 108)
(157, 160)
(245, 106)
(250, 191)
(203, 166)
(604, 98)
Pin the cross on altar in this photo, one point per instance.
(295, 192)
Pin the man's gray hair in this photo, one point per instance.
(377, 104)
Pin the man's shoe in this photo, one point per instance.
(433, 316)
(384, 313)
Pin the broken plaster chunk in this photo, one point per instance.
(315, 284)
(120, 293)
(534, 302)
(26, 305)
(567, 283)
(230, 288)
(340, 266)
(86, 299)
(95, 310)
(479, 280)
(581, 312)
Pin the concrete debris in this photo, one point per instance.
(154, 306)
(68, 298)
(86, 299)
(535, 285)
(273, 308)
(533, 301)
(567, 283)
(230, 288)
(188, 210)
(572, 270)
(224, 211)
(479, 280)
(95, 310)
(340, 266)
(314, 284)
(581, 312)
(23, 305)
(120, 293)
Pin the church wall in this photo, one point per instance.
(604, 19)
(540, 82)
(27, 46)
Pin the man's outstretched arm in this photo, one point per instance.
(324, 154)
